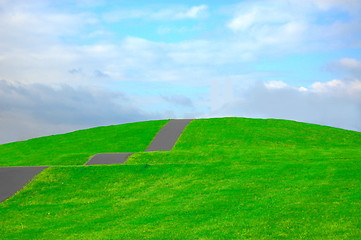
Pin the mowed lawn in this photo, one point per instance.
(77, 147)
(229, 178)
(244, 139)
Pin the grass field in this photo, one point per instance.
(229, 178)
(77, 147)
(241, 139)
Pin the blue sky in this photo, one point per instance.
(68, 65)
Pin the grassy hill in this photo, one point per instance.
(243, 139)
(226, 178)
(77, 147)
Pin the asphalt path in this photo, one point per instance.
(108, 158)
(12, 179)
(163, 141)
(168, 135)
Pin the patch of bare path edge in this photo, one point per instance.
(163, 141)
(12, 179)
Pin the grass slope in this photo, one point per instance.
(230, 178)
(244, 139)
(75, 148)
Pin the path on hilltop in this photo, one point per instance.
(12, 179)
(163, 141)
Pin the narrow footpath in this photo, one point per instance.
(163, 141)
(13, 179)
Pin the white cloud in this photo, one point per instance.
(275, 85)
(280, 26)
(29, 110)
(336, 87)
(347, 68)
(177, 13)
(335, 103)
(273, 30)
(243, 21)
(326, 5)
(193, 12)
(328, 87)
(302, 89)
(164, 14)
(256, 15)
(44, 48)
(348, 65)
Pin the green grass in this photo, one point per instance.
(77, 147)
(230, 178)
(243, 140)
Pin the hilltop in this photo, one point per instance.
(226, 178)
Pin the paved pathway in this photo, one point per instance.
(168, 135)
(163, 141)
(12, 179)
(108, 158)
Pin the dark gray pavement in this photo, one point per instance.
(163, 141)
(108, 158)
(168, 135)
(12, 179)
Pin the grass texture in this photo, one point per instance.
(244, 139)
(230, 178)
(77, 147)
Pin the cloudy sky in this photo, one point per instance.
(73, 64)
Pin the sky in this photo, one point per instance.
(69, 65)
